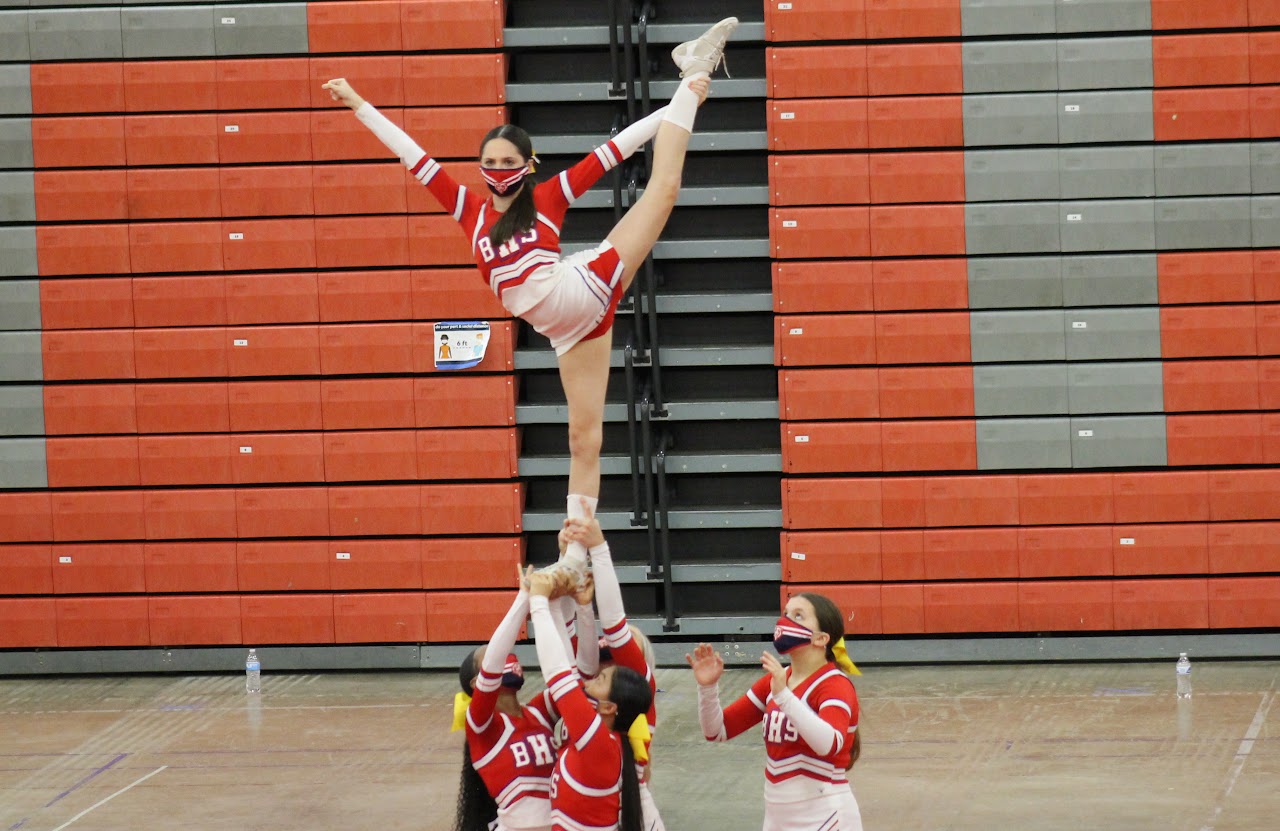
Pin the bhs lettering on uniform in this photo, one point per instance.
(533, 750)
(777, 727)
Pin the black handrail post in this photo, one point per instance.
(646, 438)
(629, 56)
(615, 91)
(664, 536)
(637, 515)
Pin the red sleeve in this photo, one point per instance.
(837, 704)
(748, 710)
(457, 201)
(579, 716)
(559, 192)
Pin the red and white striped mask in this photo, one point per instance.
(503, 181)
(787, 635)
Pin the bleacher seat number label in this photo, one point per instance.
(231, 128)
(343, 555)
(246, 450)
(1126, 541)
(1074, 217)
(797, 555)
(240, 342)
(802, 439)
(1085, 434)
(1079, 324)
(787, 116)
(784, 7)
(235, 236)
(796, 332)
(790, 223)
(64, 559)
(228, 21)
(1071, 108)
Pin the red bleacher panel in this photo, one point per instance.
(275, 190)
(918, 121)
(1191, 386)
(452, 24)
(907, 285)
(283, 566)
(859, 605)
(268, 243)
(799, 233)
(971, 500)
(822, 286)
(902, 555)
(381, 564)
(191, 514)
(245, 138)
(902, 608)
(1244, 603)
(902, 502)
(93, 515)
(164, 86)
(82, 249)
(830, 557)
(468, 454)
(903, 230)
(1206, 277)
(190, 138)
(437, 240)
(482, 400)
(287, 618)
(1244, 494)
(1068, 606)
(915, 69)
(453, 80)
(362, 242)
(96, 461)
(498, 358)
(929, 445)
(1200, 60)
(91, 408)
(26, 517)
(490, 562)
(355, 26)
(366, 348)
(175, 246)
(1208, 331)
(98, 569)
(808, 179)
(821, 20)
(273, 350)
(1215, 439)
(1264, 112)
(920, 392)
(831, 447)
(264, 458)
(816, 71)
(336, 135)
(95, 303)
(1070, 498)
(933, 337)
(1161, 604)
(359, 189)
(1263, 13)
(1264, 57)
(26, 569)
(78, 141)
(264, 83)
(398, 617)
(971, 607)
(451, 133)
(1242, 547)
(180, 353)
(194, 620)
(88, 355)
(282, 512)
(1271, 438)
(102, 621)
(1161, 549)
(196, 300)
(1268, 330)
(912, 18)
(190, 567)
(1065, 551)
(818, 124)
(971, 554)
(380, 78)
(81, 195)
(381, 455)
(77, 87)
(917, 177)
(1198, 14)
(367, 404)
(365, 295)
(275, 405)
(384, 510)
(452, 293)
(1190, 114)
(30, 623)
(824, 339)
(183, 408)
(472, 509)
(831, 503)
(827, 394)
(465, 615)
(272, 298)
(1173, 496)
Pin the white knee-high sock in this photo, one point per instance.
(577, 506)
(684, 104)
(633, 136)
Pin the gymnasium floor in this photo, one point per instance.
(1071, 747)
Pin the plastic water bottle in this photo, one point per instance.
(253, 673)
(1184, 676)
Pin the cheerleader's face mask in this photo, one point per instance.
(797, 627)
(502, 167)
(512, 673)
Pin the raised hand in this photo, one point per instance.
(340, 90)
(707, 664)
(701, 86)
(774, 667)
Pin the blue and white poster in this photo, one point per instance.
(460, 345)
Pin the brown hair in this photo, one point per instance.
(830, 619)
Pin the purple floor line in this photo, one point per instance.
(107, 766)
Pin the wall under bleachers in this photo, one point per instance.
(1026, 285)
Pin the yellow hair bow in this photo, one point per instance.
(842, 658)
(461, 702)
(639, 737)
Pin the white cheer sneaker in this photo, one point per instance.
(707, 52)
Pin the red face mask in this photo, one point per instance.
(504, 182)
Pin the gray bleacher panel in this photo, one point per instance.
(16, 150)
(1015, 282)
(1265, 213)
(1107, 334)
(75, 34)
(21, 411)
(1009, 337)
(1203, 223)
(260, 28)
(1092, 117)
(20, 357)
(1105, 63)
(1010, 119)
(18, 252)
(1136, 387)
(17, 196)
(1104, 16)
(1022, 443)
(1007, 17)
(1020, 389)
(1199, 169)
(1109, 225)
(15, 44)
(1264, 167)
(1118, 441)
(1005, 175)
(1011, 228)
(22, 464)
(1117, 280)
(1102, 172)
(1010, 66)
(15, 89)
(19, 305)
(162, 32)
(75, 2)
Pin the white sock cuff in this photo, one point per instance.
(683, 108)
(574, 505)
